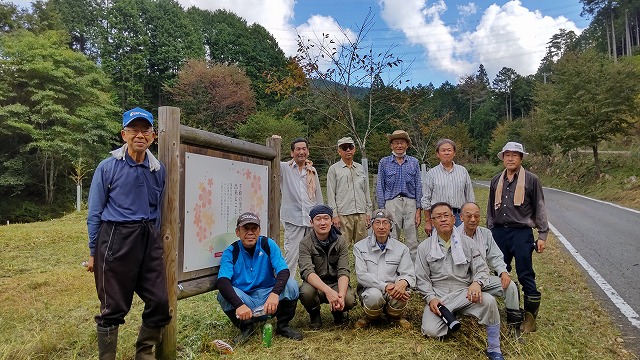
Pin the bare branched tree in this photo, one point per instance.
(344, 73)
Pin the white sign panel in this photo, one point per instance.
(217, 191)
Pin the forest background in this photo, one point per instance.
(68, 68)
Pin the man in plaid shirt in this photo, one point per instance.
(399, 188)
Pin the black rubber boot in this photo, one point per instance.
(231, 314)
(285, 313)
(107, 342)
(315, 322)
(531, 306)
(148, 337)
(339, 317)
(515, 317)
(246, 330)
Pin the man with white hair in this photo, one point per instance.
(446, 182)
(500, 285)
(516, 206)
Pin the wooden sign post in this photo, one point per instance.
(176, 143)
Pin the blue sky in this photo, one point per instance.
(441, 40)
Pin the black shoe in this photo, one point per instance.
(289, 332)
(494, 355)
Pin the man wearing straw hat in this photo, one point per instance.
(516, 206)
(399, 188)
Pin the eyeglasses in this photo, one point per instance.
(345, 147)
(442, 217)
(135, 132)
(379, 223)
(472, 216)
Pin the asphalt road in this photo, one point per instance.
(607, 237)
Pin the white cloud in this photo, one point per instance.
(514, 36)
(275, 15)
(422, 25)
(316, 27)
(466, 10)
(509, 35)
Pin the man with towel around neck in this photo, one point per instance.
(516, 206)
(450, 270)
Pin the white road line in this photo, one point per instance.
(617, 300)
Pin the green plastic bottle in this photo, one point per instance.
(267, 333)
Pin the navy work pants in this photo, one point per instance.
(128, 259)
(518, 243)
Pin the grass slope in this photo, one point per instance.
(47, 304)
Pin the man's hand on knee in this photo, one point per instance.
(474, 293)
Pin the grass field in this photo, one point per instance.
(47, 304)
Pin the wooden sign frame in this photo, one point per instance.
(174, 140)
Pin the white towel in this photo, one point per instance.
(456, 248)
(154, 164)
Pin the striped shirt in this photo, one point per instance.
(398, 179)
(453, 187)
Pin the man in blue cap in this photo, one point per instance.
(126, 253)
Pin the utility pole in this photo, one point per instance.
(545, 77)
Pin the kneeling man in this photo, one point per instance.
(500, 285)
(451, 271)
(253, 274)
(385, 273)
(324, 269)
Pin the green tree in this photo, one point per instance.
(124, 47)
(522, 99)
(482, 123)
(503, 84)
(261, 125)
(558, 45)
(10, 17)
(54, 108)
(172, 40)
(228, 39)
(81, 19)
(590, 100)
(474, 88)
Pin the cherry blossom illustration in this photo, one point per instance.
(203, 216)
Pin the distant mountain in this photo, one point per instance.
(357, 91)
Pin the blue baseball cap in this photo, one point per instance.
(136, 113)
